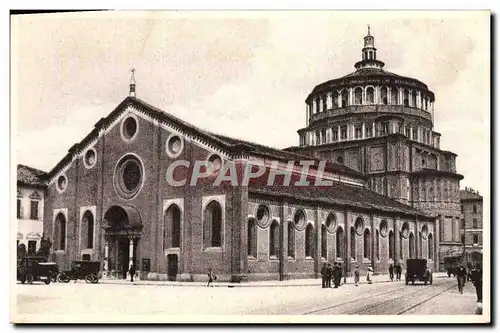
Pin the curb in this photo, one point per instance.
(236, 285)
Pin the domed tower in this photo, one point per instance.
(381, 124)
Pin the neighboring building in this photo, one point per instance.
(472, 224)
(109, 200)
(30, 205)
(381, 124)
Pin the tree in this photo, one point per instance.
(44, 250)
(21, 251)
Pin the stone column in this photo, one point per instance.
(435, 238)
(338, 133)
(419, 101)
(130, 251)
(106, 260)
(283, 244)
(351, 96)
(373, 130)
(417, 239)
(363, 130)
(314, 106)
(317, 243)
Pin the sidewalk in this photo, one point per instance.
(383, 278)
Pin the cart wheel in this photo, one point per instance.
(29, 278)
(62, 278)
(46, 281)
(89, 278)
(95, 279)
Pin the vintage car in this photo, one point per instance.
(31, 269)
(417, 270)
(81, 270)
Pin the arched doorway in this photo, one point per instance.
(123, 227)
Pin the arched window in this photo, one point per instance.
(430, 245)
(309, 244)
(324, 243)
(377, 245)
(172, 227)
(274, 239)
(370, 95)
(358, 96)
(394, 96)
(291, 240)
(60, 232)
(383, 95)
(344, 98)
(335, 100)
(414, 98)
(252, 238)
(212, 225)
(411, 245)
(325, 104)
(366, 244)
(391, 245)
(353, 243)
(340, 243)
(87, 231)
(406, 97)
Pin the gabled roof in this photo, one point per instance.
(231, 145)
(30, 176)
(340, 194)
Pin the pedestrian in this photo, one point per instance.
(340, 273)
(398, 271)
(132, 272)
(211, 277)
(391, 272)
(323, 275)
(356, 276)
(329, 274)
(369, 274)
(477, 280)
(461, 276)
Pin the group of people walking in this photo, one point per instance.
(331, 272)
(395, 270)
(475, 275)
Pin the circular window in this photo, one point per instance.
(263, 216)
(129, 128)
(90, 158)
(340, 160)
(174, 146)
(425, 232)
(359, 226)
(383, 228)
(62, 183)
(128, 176)
(300, 220)
(215, 163)
(331, 223)
(405, 230)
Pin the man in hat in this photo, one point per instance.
(356, 276)
(324, 272)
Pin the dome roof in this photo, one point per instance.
(370, 71)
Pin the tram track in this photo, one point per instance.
(385, 305)
(351, 302)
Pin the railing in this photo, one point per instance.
(372, 108)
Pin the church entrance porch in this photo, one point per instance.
(122, 232)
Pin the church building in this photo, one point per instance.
(382, 125)
(111, 198)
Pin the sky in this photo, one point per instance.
(241, 74)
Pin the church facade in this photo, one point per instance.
(110, 200)
(123, 194)
(382, 125)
